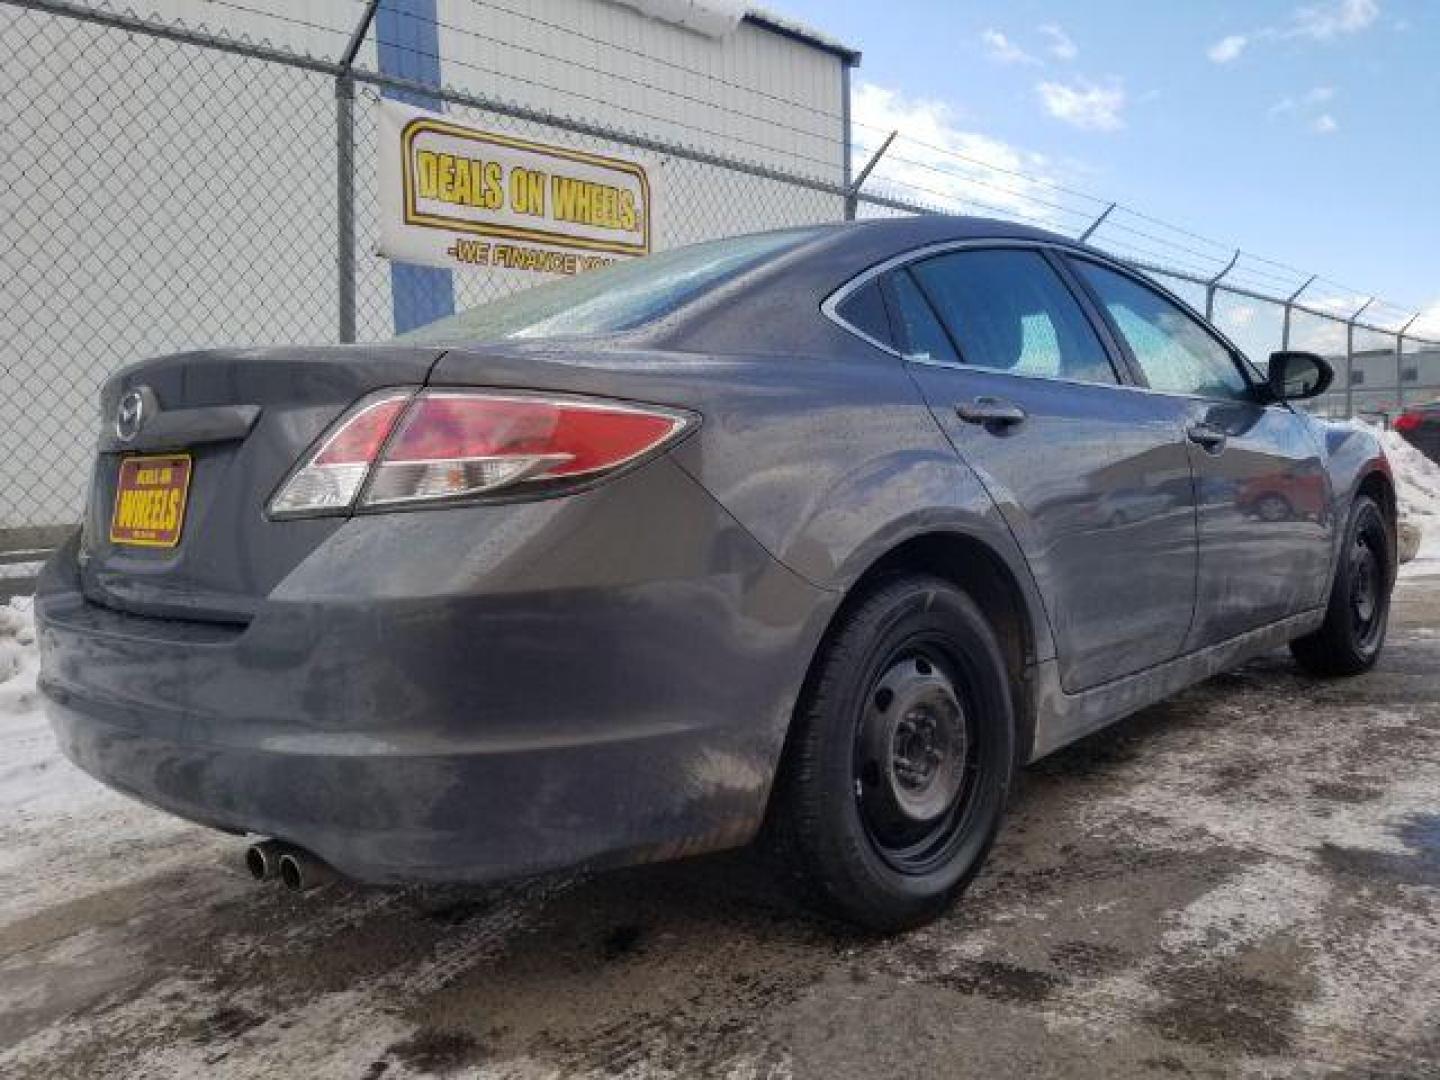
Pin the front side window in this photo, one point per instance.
(1176, 354)
(1008, 310)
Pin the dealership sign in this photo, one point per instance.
(452, 195)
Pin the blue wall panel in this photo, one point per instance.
(409, 45)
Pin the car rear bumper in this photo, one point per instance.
(429, 720)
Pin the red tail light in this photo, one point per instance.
(1406, 421)
(454, 444)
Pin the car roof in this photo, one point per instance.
(846, 248)
(938, 228)
(900, 234)
(756, 310)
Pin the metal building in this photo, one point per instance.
(172, 177)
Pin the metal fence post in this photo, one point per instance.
(847, 147)
(852, 194)
(345, 205)
(1090, 229)
(1214, 281)
(1289, 306)
(1400, 361)
(345, 176)
(1350, 358)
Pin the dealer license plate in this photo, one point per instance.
(150, 500)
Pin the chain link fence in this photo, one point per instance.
(146, 211)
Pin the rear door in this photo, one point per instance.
(1263, 496)
(1091, 475)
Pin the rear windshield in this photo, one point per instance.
(617, 297)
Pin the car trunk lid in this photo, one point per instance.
(236, 421)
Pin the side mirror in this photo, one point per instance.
(1294, 376)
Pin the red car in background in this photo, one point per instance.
(1419, 425)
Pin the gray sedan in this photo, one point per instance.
(815, 536)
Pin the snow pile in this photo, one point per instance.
(1417, 479)
(1417, 487)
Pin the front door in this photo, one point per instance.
(1265, 512)
(1092, 476)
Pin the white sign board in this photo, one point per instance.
(452, 195)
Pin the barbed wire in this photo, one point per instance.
(1160, 241)
(1252, 274)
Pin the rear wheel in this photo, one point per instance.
(1349, 640)
(898, 767)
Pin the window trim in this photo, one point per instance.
(882, 289)
(1059, 250)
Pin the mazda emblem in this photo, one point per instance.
(130, 417)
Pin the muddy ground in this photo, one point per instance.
(1243, 881)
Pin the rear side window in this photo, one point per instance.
(618, 297)
(864, 309)
(924, 336)
(1008, 309)
(1176, 353)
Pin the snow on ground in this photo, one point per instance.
(45, 801)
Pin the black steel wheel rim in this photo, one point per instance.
(1367, 600)
(916, 757)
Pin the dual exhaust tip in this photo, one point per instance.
(297, 869)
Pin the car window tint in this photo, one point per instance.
(621, 296)
(1176, 353)
(1009, 310)
(864, 309)
(923, 333)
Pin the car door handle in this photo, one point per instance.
(1210, 439)
(988, 410)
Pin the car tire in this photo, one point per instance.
(899, 762)
(1348, 642)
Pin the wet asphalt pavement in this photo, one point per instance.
(1242, 881)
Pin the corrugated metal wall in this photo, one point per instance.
(160, 196)
(754, 94)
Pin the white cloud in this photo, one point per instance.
(938, 164)
(1061, 46)
(1228, 48)
(1085, 105)
(1429, 320)
(1325, 21)
(1307, 108)
(1000, 48)
(1316, 22)
(1316, 95)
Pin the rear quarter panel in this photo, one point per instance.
(829, 458)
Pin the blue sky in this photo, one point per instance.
(1303, 132)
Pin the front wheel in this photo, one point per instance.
(895, 779)
(1349, 640)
